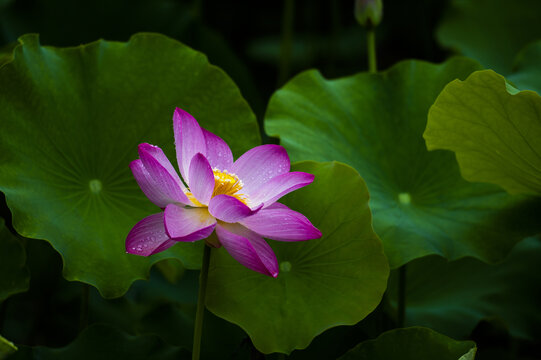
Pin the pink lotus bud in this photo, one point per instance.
(369, 12)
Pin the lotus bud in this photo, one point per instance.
(369, 12)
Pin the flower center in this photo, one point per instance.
(225, 183)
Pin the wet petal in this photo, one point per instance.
(188, 224)
(218, 152)
(160, 177)
(189, 140)
(280, 186)
(158, 154)
(259, 165)
(151, 188)
(201, 180)
(248, 248)
(148, 236)
(229, 209)
(281, 223)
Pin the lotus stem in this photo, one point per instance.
(198, 327)
(371, 50)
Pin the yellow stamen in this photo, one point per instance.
(225, 183)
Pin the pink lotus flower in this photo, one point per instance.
(235, 198)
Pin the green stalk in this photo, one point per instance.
(371, 47)
(401, 296)
(201, 304)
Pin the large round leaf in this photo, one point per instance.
(491, 31)
(105, 342)
(374, 122)
(335, 280)
(14, 275)
(415, 343)
(71, 122)
(494, 133)
(452, 297)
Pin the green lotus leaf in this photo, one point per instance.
(493, 130)
(105, 342)
(71, 122)
(374, 122)
(527, 71)
(6, 348)
(452, 297)
(14, 275)
(414, 343)
(335, 280)
(490, 31)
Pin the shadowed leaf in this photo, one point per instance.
(415, 343)
(490, 31)
(452, 297)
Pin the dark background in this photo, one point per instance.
(242, 37)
